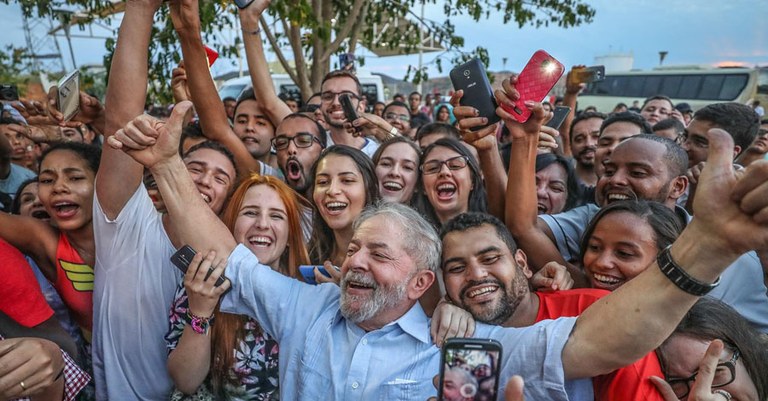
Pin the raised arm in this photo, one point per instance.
(572, 90)
(213, 118)
(484, 140)
(521, 211)
(263, 87)
(155, 145)
(119, 175)
(630, 322)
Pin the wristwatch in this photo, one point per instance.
(680, 277)
(200, 325)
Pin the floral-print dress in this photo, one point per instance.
(256, 357)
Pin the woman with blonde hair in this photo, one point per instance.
(238, 360)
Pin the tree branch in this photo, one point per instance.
(277, 50)
(342, 35)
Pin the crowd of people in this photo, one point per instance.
(622, 256)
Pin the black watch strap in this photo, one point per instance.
(680, 277)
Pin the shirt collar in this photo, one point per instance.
(414, 323)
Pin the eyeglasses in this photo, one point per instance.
(434, 166)
(394, 116)
(328, 96)
(301, 140)
(725, 374)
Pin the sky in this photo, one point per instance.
(692, 32)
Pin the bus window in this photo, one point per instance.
(670, 85)
(710, 89)
(732, 86)
(651, 86)
(635, 86)
(762, 81)
(690, 87)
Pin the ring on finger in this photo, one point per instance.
(724, 393)
(23, 386)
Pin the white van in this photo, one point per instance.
(373, 89)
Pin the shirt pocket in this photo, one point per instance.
(407, 391)
(315, 385)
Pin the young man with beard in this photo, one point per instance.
(645, 167)
(298, 143)
(487, 275)
(338, 83)
(585, 131)
(331, 336)
(135, 280)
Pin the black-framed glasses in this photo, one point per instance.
(434, 166)
(725, 374)
(394, 116)
(301, 140)
(328, 96)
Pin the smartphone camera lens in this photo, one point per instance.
(466, 73)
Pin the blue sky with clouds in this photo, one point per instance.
(693, 32)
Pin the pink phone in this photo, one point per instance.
(534, 83)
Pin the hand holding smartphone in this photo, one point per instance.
(182, 259)
(585, 75)
(308, 272)
(349, 110)
(534, 83)
(469, 369)
(560, 113)
(68, 95)
(472, 79)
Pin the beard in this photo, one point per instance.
(498, 311)
(358, 309)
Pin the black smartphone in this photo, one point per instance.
(471, 78)
(183, 257)
(9, 92)
(559, 116)
(243, 3)
(469, 369)
(349, 110)
(68, 99)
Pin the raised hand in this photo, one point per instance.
(149, 140)
(199, 282)
(449, 321)
(91, 110)
(185, 15)
(467, 118)
(508, 96)
(179, 85)
(552, 277)
(701, 389)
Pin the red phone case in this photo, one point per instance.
(534, 83)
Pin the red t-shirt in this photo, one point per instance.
(20, 295)
(628, 383)
(74, 283)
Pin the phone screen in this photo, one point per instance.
(470, 370)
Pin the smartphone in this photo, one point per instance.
(534, 83)
(183, 257)
(469, 369)
(559, 116)
(349, 110)
(9, 92)
(68, 98)
(241, 4)
(308, 272)
(472, 79)
(587, 75)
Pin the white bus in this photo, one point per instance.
(697, 86)
(372, 86)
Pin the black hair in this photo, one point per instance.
(320, 131)
(469, 220)
(658, 97)
(545, 160)
(322, 242)
(478, 201)
(344, 74)
(229, 99)
(399, 139)
(674, 154)
(213, 145)
(437, 128)
(191, 131)
(91, 154)
(397, 103)
(627, 117)
(16, 204)
(246, 94)
(737, 119)
(414, 93)
(586, 116)
(664, 222)
(673, 123)
(710, 319)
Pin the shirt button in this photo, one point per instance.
(355, 385)
(365, 341)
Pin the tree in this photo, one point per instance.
(313, 31)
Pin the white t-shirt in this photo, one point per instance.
(134, 287)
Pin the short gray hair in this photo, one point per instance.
(420, 238)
